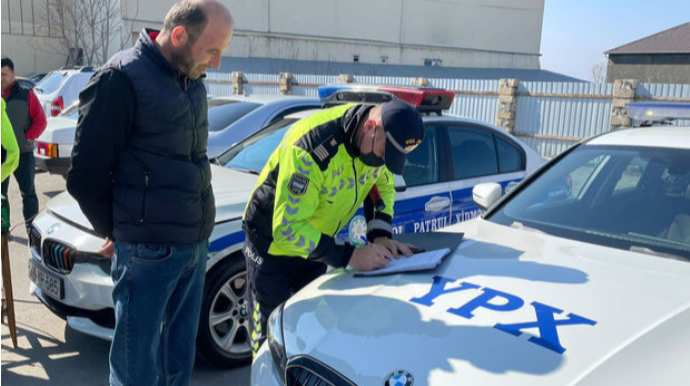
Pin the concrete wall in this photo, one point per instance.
(461, 33)
(649, 68)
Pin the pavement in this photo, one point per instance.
(49, 352)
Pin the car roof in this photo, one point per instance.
(265, 99)
(654, 136)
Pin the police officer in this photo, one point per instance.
(312, 185)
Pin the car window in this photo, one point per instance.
(222, 115)
(51, 83)
(473, 152)
(510, 158)
(252, 154)
(632, 198)
(421, 167)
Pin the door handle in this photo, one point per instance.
(437, 204)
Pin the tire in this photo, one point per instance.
(225, 316)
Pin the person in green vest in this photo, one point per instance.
(10, 149)
(312, 185)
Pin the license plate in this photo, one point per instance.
(46, 281)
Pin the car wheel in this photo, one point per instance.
(224, 338)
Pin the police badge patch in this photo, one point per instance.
(298, 184)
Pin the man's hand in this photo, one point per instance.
(107, 249)
(395, 247)
(370, 257)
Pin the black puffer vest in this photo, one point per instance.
(17, 109)
(162, 180)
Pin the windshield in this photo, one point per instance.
(223, 113)
(632, 198)
(51, 83)
(252, 154)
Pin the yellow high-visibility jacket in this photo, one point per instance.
(311, 187)
(9, 143)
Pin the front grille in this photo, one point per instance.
(58, 256)
(307, 371)
(62, 258)
(35, 239)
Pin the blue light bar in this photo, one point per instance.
(658, 111)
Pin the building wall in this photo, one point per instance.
(461, 33)
(649, 68)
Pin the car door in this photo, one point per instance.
(426, 203)
(479, 154)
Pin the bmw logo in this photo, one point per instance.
(53, 228)
(399, 378)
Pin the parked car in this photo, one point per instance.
(71, 279)
(588, 286)
(246, 114)
(60, 88)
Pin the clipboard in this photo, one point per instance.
(441, 244)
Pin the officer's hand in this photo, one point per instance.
(369, 257)
(395, 247)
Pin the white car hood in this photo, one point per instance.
(59, 130)
(630, 314)
(231, 189)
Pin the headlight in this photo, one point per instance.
(276, 343)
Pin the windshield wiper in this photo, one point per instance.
(244, 170)
(38, 89)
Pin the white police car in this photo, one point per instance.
(73, 281)
(580, 275)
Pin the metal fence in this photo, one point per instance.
(549, 116)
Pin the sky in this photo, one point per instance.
(577, 32)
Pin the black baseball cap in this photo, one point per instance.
(404, 132)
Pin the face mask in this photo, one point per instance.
(371, 159)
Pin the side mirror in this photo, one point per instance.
(486, 194)
(400, 185)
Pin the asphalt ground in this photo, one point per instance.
(49, 352)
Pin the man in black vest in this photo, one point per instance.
(140, 173)
(28, 121)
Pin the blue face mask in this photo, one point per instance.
(371, 159)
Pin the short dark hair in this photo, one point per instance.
(189, 14)
(7, 62)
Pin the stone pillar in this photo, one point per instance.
(346, 78)
(420, 82)
(238, 83)
(285, 80)
(623, 92)
(507, 104)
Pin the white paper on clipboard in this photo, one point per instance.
(416, 262)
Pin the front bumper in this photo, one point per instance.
(52, 165)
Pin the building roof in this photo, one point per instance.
(275, 66)
(675, 40)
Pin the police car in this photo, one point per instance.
(71, 279)
(580, 275)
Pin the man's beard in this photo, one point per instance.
(182, 59)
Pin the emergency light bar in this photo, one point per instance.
(658, 111)
(424, 99)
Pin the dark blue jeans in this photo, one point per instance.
(157, 297)
(24, 174)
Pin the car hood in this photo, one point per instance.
(620, 317)
(231, 189)
(59, 130)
